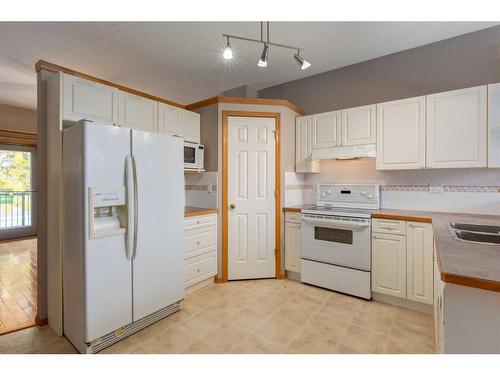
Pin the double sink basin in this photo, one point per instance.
(484, 234)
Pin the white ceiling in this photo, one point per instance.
(182, 61)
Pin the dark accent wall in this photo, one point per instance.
(467, 60)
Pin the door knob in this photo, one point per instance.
(232, 206)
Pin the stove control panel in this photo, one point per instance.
(353, 196)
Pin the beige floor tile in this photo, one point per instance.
(262, 316)
(257, 345)
(364, 339)
(311, 342)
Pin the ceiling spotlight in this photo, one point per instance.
(228, 53)
(264, 57)
(304, 64)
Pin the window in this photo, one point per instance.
(17, 201)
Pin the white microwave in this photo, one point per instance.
(193, 155)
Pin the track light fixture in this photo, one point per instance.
(304, 64)
(264, 58)
(228, 53)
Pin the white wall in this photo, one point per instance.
(17, 119)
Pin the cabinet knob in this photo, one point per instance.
(232, 206)
(197, 242)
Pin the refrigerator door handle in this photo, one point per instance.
(129, 178)
(136, 207)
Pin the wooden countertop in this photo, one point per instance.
(463, 263)
(297, 208)
(198, 211)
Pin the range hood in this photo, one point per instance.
(344, 152)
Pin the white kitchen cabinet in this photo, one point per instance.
(303, 146)
(389, 264)
(494, 125)
(200, 249)
(358, 125)
(136, 112)
(169, 120)
(190, 124)
(457, 128)
(419, 257)
(84, 99)
(401, 134)
(292, 247)
(326, 129)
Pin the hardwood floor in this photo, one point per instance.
(18, 285)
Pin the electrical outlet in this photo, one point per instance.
(436, 189)
(209, 188)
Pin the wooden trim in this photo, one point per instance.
(41, 322)
(51, 67)
(224, 210)
(420, 219)
(471, 281)
(200, 212)
(255, 101)
(11, 137)
(19, 239)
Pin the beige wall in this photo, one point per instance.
(18, 119)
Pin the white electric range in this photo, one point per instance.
(336, 238)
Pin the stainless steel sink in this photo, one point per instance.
(476, 228)
(478, 233)
(493, 239)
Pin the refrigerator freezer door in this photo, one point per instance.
(158, 268)
(108, 273)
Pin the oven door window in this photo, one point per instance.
(333, 235)
(189, 155)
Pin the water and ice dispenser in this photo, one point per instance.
(107, 211)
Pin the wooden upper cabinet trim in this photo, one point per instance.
(255, 101)
(11, 137)
(50, 67)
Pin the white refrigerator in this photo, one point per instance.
(123, 232)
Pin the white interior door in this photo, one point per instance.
(251, 189)
(158, 262)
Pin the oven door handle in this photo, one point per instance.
(336, 224)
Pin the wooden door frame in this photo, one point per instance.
(277, 161)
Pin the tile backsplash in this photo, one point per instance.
(463, 190)
(201, 189)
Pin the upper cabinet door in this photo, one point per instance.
(358, 125)
(303, 146)
(457, 128)
(326, 130)
(401, 134)
(169, 120)
(137, 112)
(83, 99)
(494, 125)
(190, 123)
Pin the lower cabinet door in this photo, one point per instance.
(420, 241)
(200, 268)
(389, 264)
(292, 247)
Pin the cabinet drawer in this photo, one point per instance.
(389, 226)
(199, 241)
(292, 217)
(199, 221)
(200, 268)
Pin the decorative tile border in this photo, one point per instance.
(300, 187)
(446, 188)
(199, 188)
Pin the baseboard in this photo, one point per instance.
(41, 322)
(198, 286)
(19, 239)
(219, 280)
(293, 275)
(404, 303)
(281, 277)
